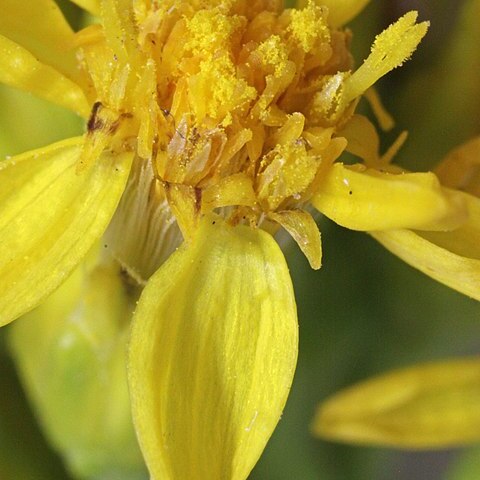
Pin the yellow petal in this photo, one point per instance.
(92, 6)
(391, 48)
(288, 170)
(49, 219)
(147, 108)
(428, 406)
(372, 200)
(303, 229)
(76, 375)
(212, 354)
(340, 12)
(236, 189)
(362, 139)
(101, 127)
(184, 203)
(461, 167)
(40, 27)
(120, 29)
(20, 69)
(452, 258)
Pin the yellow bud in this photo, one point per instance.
(433, 405)
(70, 353)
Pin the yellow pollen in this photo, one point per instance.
(308, 26)
(274, 54)
(210, 31)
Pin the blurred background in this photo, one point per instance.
(364, 312)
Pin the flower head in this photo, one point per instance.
(211, 123)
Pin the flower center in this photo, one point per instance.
(225, 98)
(230, 106)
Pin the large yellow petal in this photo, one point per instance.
(40, 27)
(428, 406)
(452, 258)
(20, 69)
(362, 199)
(49, 219)
(212, 354)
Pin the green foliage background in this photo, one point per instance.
(364, 312)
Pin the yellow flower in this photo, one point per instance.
(432, 405)
(216, 123)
